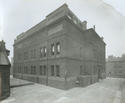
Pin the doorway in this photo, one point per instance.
(99, 73)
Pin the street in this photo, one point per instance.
(110, 90)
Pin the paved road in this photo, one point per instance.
(123, 92)
(106, 91)
(110, 90)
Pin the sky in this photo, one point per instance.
(17, 16)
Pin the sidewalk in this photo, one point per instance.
(18, 82)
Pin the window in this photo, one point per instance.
(25, 55)
(52, 49)
(41, 52)
(58, 48)
(95, 69)
(45, 51)
(84, 71)
(34, 54)
(52, 70)
(81, 70)
(41, 70)
(15, 70)
(25, 70)
(31, 53)
(57, 70)
(19, 56)
(33, 69)
(44, 69)
(19, 69)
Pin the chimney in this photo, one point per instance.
(94, 27)
(102, 38)
(84, 25)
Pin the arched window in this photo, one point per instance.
(52, 49)
(58, 47)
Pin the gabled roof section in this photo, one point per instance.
(92, 33)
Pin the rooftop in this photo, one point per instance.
(53, 17)
(56, 14)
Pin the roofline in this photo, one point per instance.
(62, 18)
(95, 33)
(44, 26)
(64, 5)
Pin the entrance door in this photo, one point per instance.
(0, 85)
(99, 72)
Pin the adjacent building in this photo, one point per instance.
(4, 72)
(115, 66)
(60, 52)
